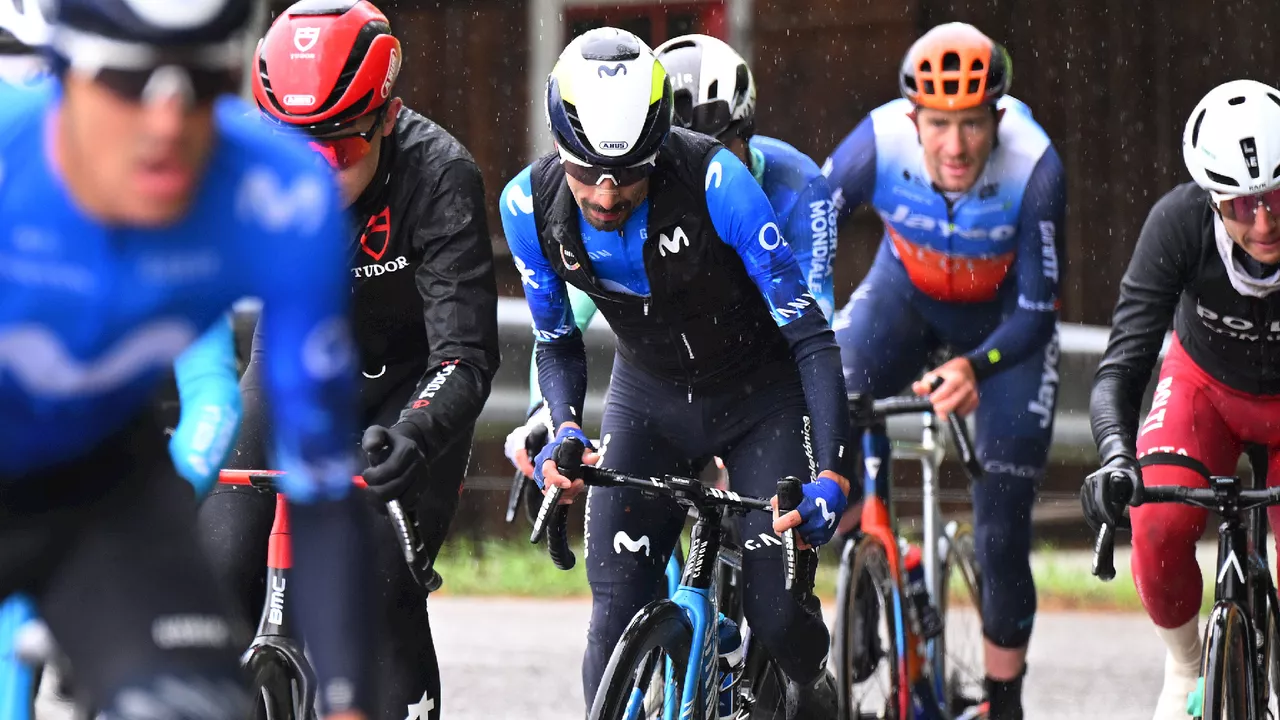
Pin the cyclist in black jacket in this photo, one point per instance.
(1207, 263)
(425, 316)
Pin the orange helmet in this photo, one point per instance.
(955, 67)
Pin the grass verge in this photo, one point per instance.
(517, 569)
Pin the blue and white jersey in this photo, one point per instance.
(801, 198)
(740, 213)
(92, 316)
(960, 249)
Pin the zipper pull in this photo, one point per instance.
(646, 307)
(690, 389)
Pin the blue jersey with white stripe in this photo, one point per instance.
(92, 316)
(963, 250)
(801, 198)
(739, 212)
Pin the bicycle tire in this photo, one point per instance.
(865, 564)
(1269, 693)
(660, 630)
(1228, 666)
(958, 651)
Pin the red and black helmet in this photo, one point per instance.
(325, 63)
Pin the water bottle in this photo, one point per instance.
(730, 664)
(926, 614)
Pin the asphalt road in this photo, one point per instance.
(522, 659)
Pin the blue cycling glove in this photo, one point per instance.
(211, 408)
(820, 511)
(549, 451)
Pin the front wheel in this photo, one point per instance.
(868, 611)
(1269, 691)
(957, 654)
(647, 669)
(277, 691)
(1228, 672)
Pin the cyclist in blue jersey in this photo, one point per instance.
(210, 413)
(722, 349)
(972, 197)
(698, 65)
(136, 205)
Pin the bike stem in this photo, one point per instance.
(1233, 544)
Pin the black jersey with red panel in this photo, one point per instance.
(1181, 274)
(422, 275)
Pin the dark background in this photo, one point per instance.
(1111, 81)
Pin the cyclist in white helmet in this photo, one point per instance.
(1207, 263)
(714, 93)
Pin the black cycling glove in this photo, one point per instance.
(1106, 492)
(395, 462)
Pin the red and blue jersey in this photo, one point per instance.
(964, 248)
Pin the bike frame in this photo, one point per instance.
(274, 640)
(1242, 584)
(17, 678)
(879, 519)
(1244, 587)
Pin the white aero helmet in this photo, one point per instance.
(23, 28)
(609, 100)
(714, 90)
(1232, 141)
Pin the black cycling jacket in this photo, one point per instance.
(422, 273)
(1177, 275)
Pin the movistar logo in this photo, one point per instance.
(623, 540)
(612, 71)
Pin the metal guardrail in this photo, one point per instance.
(1080, 346)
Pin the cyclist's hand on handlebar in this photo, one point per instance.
(819, 512)
(545, 470)
(517, 444)
(1106, 492)
(958, 392)
(395, 461)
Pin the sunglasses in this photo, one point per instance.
(1244, 209)
(142, 73)
(344, 151)
(596, 174)
(192, 85)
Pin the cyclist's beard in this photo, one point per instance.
(592, 212)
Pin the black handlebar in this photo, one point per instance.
(689, 492)
(866, 412)
(533, 444)
(1222, 496)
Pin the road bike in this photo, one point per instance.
(680, 656)
(897, 653)
(282, 681)
(1240, 668)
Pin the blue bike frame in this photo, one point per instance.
(702, 677)
(16, 677)
(670, 703)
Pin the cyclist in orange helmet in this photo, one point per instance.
(972, 197)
